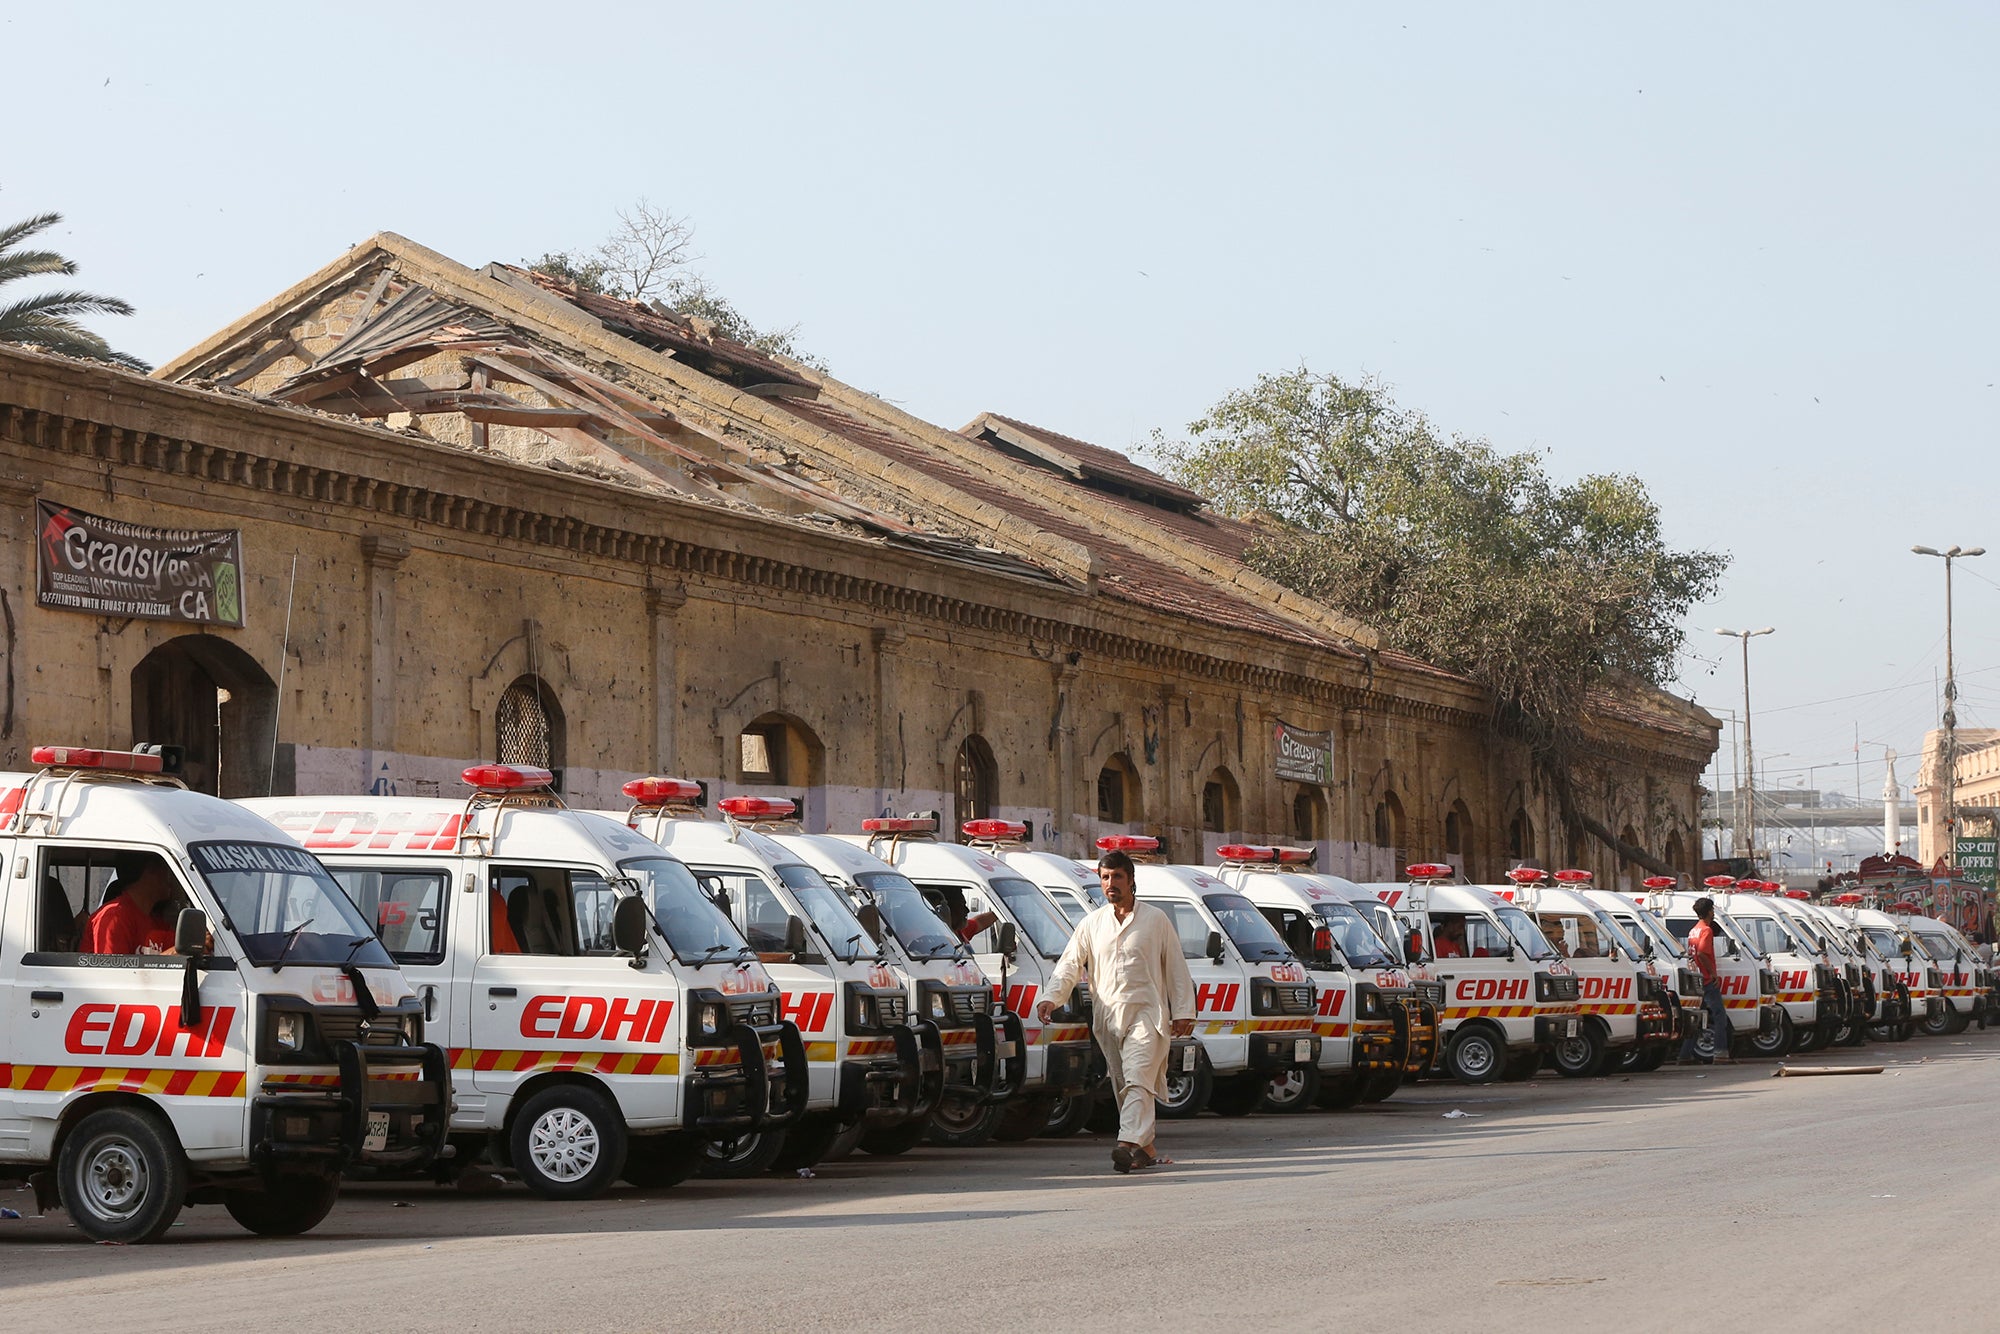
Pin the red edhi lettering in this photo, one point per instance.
(146, 1030)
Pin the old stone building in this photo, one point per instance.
(471, 514)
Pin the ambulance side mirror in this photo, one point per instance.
(628, 928)
(1299, 938)
(190, 941)
(1008, 938)
(1215, 946)
(795, 936)
(870, 918)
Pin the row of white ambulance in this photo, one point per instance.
(498, 983)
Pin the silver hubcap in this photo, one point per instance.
(1573, 1052)
(740, 1149)
(1475, 1057)
(114, 1178)
(1287, 1087)
(563, 1144)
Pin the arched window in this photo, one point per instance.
(1118, 791)
(1458, 838)
(1676, 851)
(1630, 837)
(1219, 803)
(528, 724)
(1520, 837)
(1308, 815)
(1389, 823)
(778, 750)
(213, 700)
(975, 781)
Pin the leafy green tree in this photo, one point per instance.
(48, 320)
(1456, 552)
(649, 257)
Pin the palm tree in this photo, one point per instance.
(48, 321)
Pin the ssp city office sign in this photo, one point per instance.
(108, 567)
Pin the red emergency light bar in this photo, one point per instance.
(994, 829)
(1659, 882)
(1900, 907)
(1847, 900)
(1265, 852)
(1719, 881)
(1526, 875)
(506, 777)
(111, 761)
(906, 824)
(1430, 871)
(1573, 877)
(1798, 893)
(1129, 843)
(662, 791)
(757, 808)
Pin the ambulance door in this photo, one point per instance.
(414, 912)
(1219, 1002)
(1479, 979)
(101, 1022)
(808, 995)
(551, 994)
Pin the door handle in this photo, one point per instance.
(45, 997)
(501, 991)
(430, 1003)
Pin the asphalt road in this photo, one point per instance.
(1682, 1200)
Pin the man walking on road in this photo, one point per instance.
(1701, 952)
(1140, 992)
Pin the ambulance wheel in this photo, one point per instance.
(292, 1205)
(1522, 1067)
(809, 1142)
(1809, 1039)
(890, 1140)
(1774, 1042)
(656, 1161)
(1582, 1056)
(1238, 1095)
(1474, 1056)
(1627, 1060)
(1291, 1090)
(1070, 1115)
(964, 1125)
(121, 1176)
(847, 1141)
(567, 1142)
(1845, 1034)
(1188, 1092)
(1341, 1093)
(1906, 1030)
(1377, 1087)
(1024, 1118)
(748, 1155)
(1653, 1057)
(1956, 1023)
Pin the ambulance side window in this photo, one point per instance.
(71, 887)
(758, 912)
(552, 910)
(406, 907)
(1483, 938)
(1576, 937)
(948, 902)
(1189, 924)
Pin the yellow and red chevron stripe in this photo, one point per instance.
(1330, 1029)
(100, 1079)
(588, 1062)
(1795, 997)
(1489, 1011)
(331, 1081)
(1611, 1007)
(959, 1037)
(859, 1047)
(1064, 1033)
(1741, 1004)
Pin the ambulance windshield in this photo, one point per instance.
(1612, 928)
(829, 912)
(1358, 943)
(1042, 922)
(1664, 944)
(1885, 942)
(1939, 946)
(1249, 929)
(280, 901)
(1525, 933)
(921, 932)
(696, 930)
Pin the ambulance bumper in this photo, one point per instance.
(389, 1112)
(726, 1100)
(1657, 1024)
(889, 1089)
(1422, 1017)
(1273, 1052)
(1554, 1028)
(1068, 1071)
(1380, 1045)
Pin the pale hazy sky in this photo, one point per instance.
(1745, 252)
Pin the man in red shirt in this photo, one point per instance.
(127, 923)
(1701, 953)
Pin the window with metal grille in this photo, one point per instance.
(529, 725)
(1308, 816)
(975, 781)
(1117, 791)
(1218, 803)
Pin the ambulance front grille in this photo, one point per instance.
(1295, 1000)
(339, 1026)
(1562, 988)
(964, 1006)
(757, 1013)
(1432, 992)
(1690, 982)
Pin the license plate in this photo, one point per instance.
(1302, 1050)
(1569, 1029)
(377, 1138)
(1187, 1061)
(1006, 1050)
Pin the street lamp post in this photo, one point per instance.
(1949, 555)
(1746, 837)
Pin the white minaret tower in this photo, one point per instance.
(1892, 809)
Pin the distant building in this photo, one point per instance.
(1978, 784)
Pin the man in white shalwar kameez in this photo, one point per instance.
(1141, 997)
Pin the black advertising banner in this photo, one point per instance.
(1304, 757)
(107, 567)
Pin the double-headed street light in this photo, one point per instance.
(1746, 815)
(1950, 702)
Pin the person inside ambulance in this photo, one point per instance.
(133, 918)
(1449, 937)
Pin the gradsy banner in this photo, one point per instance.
(107, 567)
(1304, 757)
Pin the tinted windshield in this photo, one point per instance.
(1526, 934)
(1664, 944)
(1940, 947)
(1885, 942)
(1611, 927)
(1046, 928)
(1073, 906)
(907, 917)
(829, 911)
(1391, 932)
(1769, 935)
(696, 930)
(1358, 943)
(271, 895)
(1253, 933)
